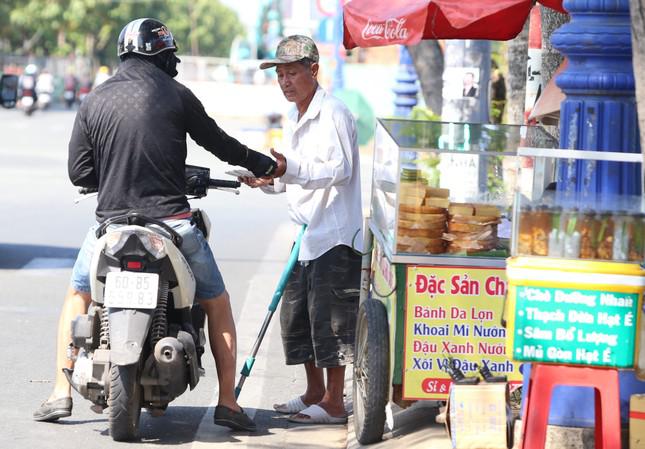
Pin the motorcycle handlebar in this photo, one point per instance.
(212, 184)
(221, 183)
(88, 190)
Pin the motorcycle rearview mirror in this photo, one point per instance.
(8, 90)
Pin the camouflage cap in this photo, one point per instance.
(292, 49)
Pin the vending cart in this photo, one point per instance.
(439, 225)
(575, 288)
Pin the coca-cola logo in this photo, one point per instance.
(390, 29)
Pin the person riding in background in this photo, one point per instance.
(27, 82)
(129, 141)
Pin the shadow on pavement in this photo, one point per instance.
(14, 256)
(177, 426)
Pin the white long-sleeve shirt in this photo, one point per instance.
(322, 179)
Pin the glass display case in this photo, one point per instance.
(446, 189)
(565, 208)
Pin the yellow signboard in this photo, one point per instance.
(456, 312)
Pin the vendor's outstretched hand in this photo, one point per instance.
(255, 182)
(282, 163)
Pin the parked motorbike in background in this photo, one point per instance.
(8, 90)
(84, 89)
(69, 90)
(44, 89)
(140, 343)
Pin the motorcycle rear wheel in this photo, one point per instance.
(124, 402)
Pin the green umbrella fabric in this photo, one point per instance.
(362, 111)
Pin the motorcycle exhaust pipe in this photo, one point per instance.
(171, 361)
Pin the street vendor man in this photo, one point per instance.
(322, 183)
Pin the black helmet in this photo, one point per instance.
(146, 37)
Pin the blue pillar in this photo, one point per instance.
(338, 81)
(406, 88)
(599, 114)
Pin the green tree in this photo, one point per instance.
(203, 27)
(91, 27)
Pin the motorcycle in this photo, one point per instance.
(45, 90)
(69, 95)
(28, 96)
(69, 90)
(44, 100)
(141, 341)
(84, 90)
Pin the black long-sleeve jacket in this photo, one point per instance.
(129, 140)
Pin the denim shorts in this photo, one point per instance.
(194, 248)
(319, 309)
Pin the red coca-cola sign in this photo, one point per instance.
(390, 29)
(372, 25)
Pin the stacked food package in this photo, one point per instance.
(472, 228)
(422, 218)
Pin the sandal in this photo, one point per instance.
(227, 417)
(292, 406)
(315, 414)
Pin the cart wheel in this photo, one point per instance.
(371, 371)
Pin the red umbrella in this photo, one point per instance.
(373, 23)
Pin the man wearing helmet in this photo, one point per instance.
(129, 141)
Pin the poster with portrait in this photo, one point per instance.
(460, 82)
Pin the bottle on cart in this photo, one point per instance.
(623, 224)
(556, 236)
(605, 236)
(636, 251)
(525, 236)
(541, 226)
(588, 228)
(572, 235)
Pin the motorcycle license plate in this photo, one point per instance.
(129, 290)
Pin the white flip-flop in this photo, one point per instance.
(295, 405)
(315, 414)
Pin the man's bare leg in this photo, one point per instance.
(333, 400)
(223, 343)
(315, 384)
(75, 303)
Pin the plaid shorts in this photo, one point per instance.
(319, 308)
